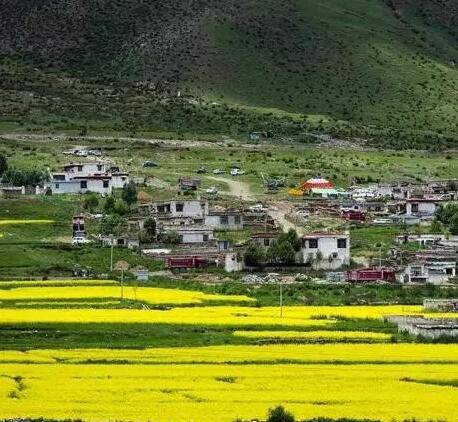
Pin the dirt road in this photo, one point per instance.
(278, 212)
(237, 188)
(174, 143)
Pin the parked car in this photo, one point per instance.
(149, 163)
(202, 170)
(80, 240)
(218, 171)
(258, 208)
(237, 172)
(212, 190)
(302, 213)
(95, 152)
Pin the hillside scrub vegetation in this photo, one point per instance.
(382, 71)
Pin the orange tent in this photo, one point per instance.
(316, 183)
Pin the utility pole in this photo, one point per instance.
(122, 266)
(122, 284)
(111, 253)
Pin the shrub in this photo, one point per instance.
(279, 414)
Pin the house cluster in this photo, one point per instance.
(434, 261)
(77, 178)
(193, 227)
(200, 237)
(383, 204)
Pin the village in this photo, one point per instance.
(306, 233)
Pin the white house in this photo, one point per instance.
(423, 206)
(194, 234)
(224, 220)
(119, 179)
(433, 272)
(191, 208)
(326, 251)
(83, 184)
(85, 169)
(87, 177)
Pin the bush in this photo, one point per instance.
(254, 255)
(279, 414)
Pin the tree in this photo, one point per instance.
(129, 193)
(436, 226)
(24, 177)
(292, 238)
(170, 238)
(279, 414)
(254, 255)
(112, 224)
(3, 164)
(150, 227)
(453, 227)
(148, 233)
(91, 202)
(109, 205)
(282, 252)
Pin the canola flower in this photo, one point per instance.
(222, 393)
(57, 282)
(303, 316)
(21, 222)
(385, 353)
(144, 294)
(328, 335)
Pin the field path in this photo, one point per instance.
(175, 143)
(278, 212)
(236, 187)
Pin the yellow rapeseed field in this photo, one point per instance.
(17, 222)
(79, 282)
(221, 393)
(218, 315)
(144, 294)
(224, 382)
(299, 353)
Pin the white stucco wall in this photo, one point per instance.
(332, 257)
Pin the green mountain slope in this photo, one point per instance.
(387, 67)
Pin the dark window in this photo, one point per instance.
(414, 207)
(57, 185)
(83, 184)
(120, 241)
(179, 207)
(313, 243)
(106, 183)
(266, 242)
(80, 168)
(342, 243)
(224, 219)
(205, 237)
(237, 219)
(99, 167)
(449, 271)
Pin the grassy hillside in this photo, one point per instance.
(378, 69)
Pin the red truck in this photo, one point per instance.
(369, 275)
(186, 263)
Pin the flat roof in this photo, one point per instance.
(315, 235)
